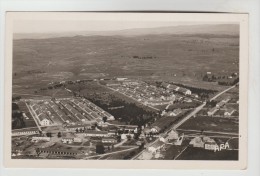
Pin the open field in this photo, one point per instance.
(211, 124)
(172, 151)
(192, 153)
(40, 91)
(107, 56)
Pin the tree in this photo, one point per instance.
(49, 134)
(141, 146)
(129, 137)
(104, 119)
(136, 136)
(132, 153)
(37, 151)
(100, 149)
(118, 138)
(205, 78)
(201, 131)
(15, 106)
(59, 134)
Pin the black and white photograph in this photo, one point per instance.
(127, 86)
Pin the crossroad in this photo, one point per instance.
(174, 126)
(179, 123)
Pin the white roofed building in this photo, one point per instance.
(43, 119)
(229, 112)
(157, 146)
(212, 111)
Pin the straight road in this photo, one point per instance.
(194, 112)
(191, 114)
(120, 143)
(34, 115)
(216, 96)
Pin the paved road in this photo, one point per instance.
(216, 96)
(34, 115)
(194, 112)
(191, 114)
(120, 143)
(199, 108)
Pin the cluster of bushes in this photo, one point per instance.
(222, 80)
(17, 117)
(143, 57)
(228, 82)
(17, 98)
(202, 93)
(17, 120)
(212, 103)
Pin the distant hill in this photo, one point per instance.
(219, 29)
(225, 29)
